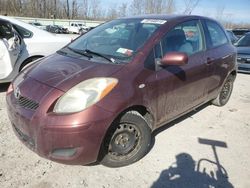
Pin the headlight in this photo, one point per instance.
(84, 95)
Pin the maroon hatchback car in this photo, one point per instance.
(100, 97)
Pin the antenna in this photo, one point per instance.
(214, 144)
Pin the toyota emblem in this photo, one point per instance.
(17, 93)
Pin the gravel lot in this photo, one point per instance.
(170, 163)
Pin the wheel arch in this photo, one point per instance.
(29, 60)
(233, 73)
(142, 110)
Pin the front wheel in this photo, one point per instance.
(225, 92)
(128, 142)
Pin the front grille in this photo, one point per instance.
(27, 103)
(30, 142)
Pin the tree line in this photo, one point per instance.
(89, 9)
(95, 10)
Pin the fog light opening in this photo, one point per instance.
(65, 152)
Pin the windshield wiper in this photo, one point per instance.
(61, 52)
(84, 53)
(100, 55)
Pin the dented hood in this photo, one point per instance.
(63, 72)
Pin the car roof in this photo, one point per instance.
(33, 29)
(170, 17)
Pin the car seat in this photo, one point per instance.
(176, 42)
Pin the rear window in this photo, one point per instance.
(216, 34)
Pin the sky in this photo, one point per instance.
(234, 10)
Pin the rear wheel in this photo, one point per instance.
(128, 142)
(225, 92)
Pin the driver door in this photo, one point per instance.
(179, 88)
(11, 45)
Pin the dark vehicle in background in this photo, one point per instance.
(239, 32)
(101, 97)
(82, 31)
(38, 25)
(56, 29)
(232, 36)
(243, 49)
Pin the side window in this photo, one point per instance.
(216, 34)
(23, 32)
(186, 37)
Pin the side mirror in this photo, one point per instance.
(175, 58)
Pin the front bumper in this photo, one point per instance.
(244, 67)
(68, 139)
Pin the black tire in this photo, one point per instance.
(225, 92)
(127, 142)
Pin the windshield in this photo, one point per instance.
(244, 41)
(119, 39)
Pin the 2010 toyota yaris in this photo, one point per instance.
(100, 97)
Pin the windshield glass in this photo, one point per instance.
(118, 39)
(244, 41)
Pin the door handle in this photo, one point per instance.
(210, 60)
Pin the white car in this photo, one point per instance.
(77, 27)
(21, 44)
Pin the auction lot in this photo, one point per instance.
(19, 167)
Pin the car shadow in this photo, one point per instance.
(4, 87)
(176, 121)
(187, 173)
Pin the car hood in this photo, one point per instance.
(243, 50)
(63, 72)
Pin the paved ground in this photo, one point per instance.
(173, 161)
